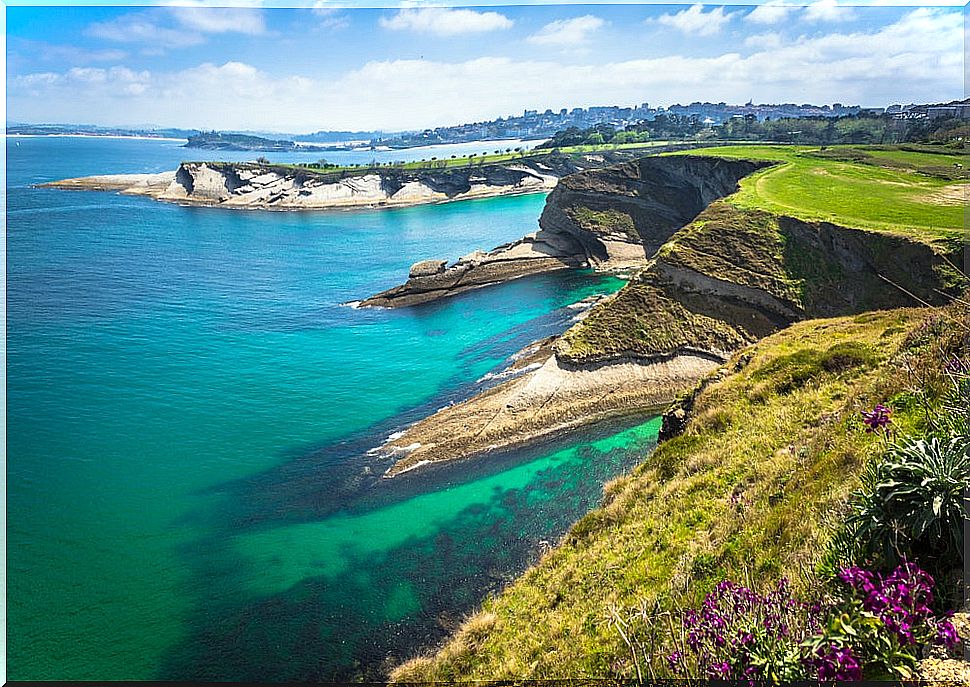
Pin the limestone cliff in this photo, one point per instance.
(611, 218)
(714, 282)
(250, 185)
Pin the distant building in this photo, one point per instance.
(959, 111)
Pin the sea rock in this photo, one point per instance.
(427, 268)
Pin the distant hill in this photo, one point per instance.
(90, 130)
(214, 140)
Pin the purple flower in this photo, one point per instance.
(955, 366)
(946, 634)
(877, 418)
(835, 663)
(674, 661)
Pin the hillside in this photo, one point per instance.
(750, 490)
(814, 315)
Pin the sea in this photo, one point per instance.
(192, 408)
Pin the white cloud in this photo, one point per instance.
(918, 58)
(446, 22)
(143, 27)
(71, 54)
(567, 32)
(772, 12)
(329, 17)
(763, 41)
(220, 19)
(694, 20)
(828, 11)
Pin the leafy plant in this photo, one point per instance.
(914, 502)
(739, 634)
(868, 625)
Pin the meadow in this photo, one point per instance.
(906, 190)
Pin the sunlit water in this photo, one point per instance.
(190, 410)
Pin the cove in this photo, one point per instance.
(190, 409)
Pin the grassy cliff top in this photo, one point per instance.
(751, 489)
(920, 192)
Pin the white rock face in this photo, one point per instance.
(242, 186)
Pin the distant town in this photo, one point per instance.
(530, 125)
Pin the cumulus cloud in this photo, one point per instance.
(567, 32)
(329, 17)
(916, 58)
(694, 20)
(773, 12)
(828, 11)
(442, 21)
(764, 41)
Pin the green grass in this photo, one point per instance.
(465, 161)
(751, 490)
(884, 189)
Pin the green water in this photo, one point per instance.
(190, 409)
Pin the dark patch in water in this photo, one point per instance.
(335, 627)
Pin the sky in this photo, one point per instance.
(329, 67)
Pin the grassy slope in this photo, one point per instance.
(885, 189)
(778, 427)
(739, 240)
(645, 319)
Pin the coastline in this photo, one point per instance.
(543, 397)
(110, 136)
(150, 185)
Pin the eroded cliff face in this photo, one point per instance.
(727, 278)
(249, 185)
(611, 218)
(633, 208)
(274, 187)
(732, 277)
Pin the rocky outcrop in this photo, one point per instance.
(545, 396)
(728, 278)
(637, 206)
(430, 280)
(612, 218)
(735, 276)
(279, 187)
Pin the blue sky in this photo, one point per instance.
(329, 67)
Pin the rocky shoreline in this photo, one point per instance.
(610, 219)
(544, 396)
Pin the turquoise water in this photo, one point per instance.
(189, 413)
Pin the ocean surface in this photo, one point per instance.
(191, 408)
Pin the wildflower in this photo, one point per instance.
(674, 661)
(835, 663)
(955, 366)
(877, 418)
(946, 634)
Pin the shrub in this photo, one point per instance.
(868, 626)
(741, 635)
(913, 504)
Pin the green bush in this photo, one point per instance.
(913, 504)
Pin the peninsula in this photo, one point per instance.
(268, 186)
(718, 268)
(796, 291)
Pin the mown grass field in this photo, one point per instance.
(912, 192)
(751, 491)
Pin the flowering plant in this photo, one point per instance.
(878, 623)
(873, 626)
(740, 635)
(876, 419)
